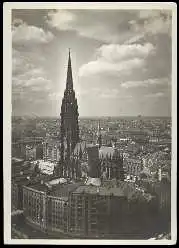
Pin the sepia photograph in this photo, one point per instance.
(90, 123)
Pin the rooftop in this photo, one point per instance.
(60, 190)
(105, 151)
(106, 188)
(65, 190)
(21, 180)
(120, 189)
(90, 189)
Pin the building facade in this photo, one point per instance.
(84, 210)
(17, 193)
(133, 166)
(51, 150)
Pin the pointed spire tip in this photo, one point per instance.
(69, 83)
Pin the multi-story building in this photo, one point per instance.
(30, 152)
(86, 218)
(162, 191)
(51, 150)
(16, 166)
(133, 166)
(27, 147)
(17, 193)
(84, 210)
(45, 207)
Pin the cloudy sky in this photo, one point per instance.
(121, 61)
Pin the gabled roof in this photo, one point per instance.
(108, 152)
(81, 147)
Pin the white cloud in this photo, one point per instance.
(150, 22)
(32, 84)
(27, 78)
(114, 52)
(110, 93)
(160, 23)
(55, 96)
(16, 63)
(134, 66)
(62, 19)
(106, 93)
(135, 38)
(117, 58)
(92, 24)
(38, 83)
(16, 22)
(100, 66)
(113, 26)
(24, 34)
(113, 93)
(145, 83)
(131, 84)
(154, 95)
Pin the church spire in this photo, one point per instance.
(69, 117)
(69, 81)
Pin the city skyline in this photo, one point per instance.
(121, 61)
(89, 123)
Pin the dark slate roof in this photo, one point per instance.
(122, 189)
(65, 190)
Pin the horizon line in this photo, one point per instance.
(93, 116)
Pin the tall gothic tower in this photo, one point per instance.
(69, 117)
